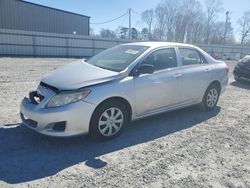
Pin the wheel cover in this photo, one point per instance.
(212, 98)
(110, 121)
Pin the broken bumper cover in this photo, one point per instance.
(242, 73)
(65, 121)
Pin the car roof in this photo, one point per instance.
(160, 44)
(154, 45)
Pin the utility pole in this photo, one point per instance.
(226, 25)
(129, 30)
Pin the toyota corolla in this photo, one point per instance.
(121, 84)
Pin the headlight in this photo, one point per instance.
(67, 98)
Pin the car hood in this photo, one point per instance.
(77, 75)
(244, 64)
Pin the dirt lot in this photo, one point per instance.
(185, 148)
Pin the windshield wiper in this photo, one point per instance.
(108, 68)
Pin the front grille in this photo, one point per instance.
(56, 90)
(242, 72)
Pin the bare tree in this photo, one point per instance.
(196, 22)
(134, 33)
(178, 20)
(160, 19)
(213, 8)
(244, 24)
(107, 33)
(124, 32)
(229, 37)
(217, 33)
(171, 8)
(165, 18)
(186, 21)
(195, 30)
(144, 34)
(148, 18)
(187, 15)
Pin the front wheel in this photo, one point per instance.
(108, 120)
(211, 97)
(237, 79)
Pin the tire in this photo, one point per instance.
(211, 97)
(104, 125)
(237, 79)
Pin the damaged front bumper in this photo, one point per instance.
(65, 121)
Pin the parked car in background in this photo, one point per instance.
(127, 82)
(242, 69)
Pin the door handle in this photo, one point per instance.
(177, 75)
(207, 69)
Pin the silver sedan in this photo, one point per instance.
(124, 83)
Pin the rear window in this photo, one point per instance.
(191, 57)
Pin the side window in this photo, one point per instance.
(162, 59)
(190, 57)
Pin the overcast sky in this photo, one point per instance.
(103, 10)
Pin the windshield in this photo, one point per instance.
(117, 58)
(246, 60)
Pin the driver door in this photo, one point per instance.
(161, 89)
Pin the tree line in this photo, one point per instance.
(187, 21)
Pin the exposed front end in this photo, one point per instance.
(60, 121)
(242, 73)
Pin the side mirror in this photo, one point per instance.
(144, 69)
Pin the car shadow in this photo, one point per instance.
(27, 156)
(241, 84)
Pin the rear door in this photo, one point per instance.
(196, 74)
(162, 88)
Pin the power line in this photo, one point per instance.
(123, 21)
(136, 12)
(110, 20)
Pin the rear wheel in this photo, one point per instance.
(211, 97)
(108, 120)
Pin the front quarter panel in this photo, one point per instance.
(123, 87)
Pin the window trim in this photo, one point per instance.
(199, 53)
(154, 50)
(203, 57)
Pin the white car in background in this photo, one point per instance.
(127, 82)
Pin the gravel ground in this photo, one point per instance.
(184, 148)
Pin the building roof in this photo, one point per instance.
(43, 6)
